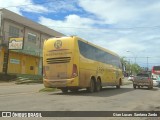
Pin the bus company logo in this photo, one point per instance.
(6, 114)
(58, 44)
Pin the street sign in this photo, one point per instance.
(15, 43)
(14, 61)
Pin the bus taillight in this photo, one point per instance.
(74, 71)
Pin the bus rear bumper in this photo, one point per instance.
(60, 83)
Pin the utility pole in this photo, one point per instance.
(6, 50)
(130, 67)
(147, 63)
(0, 27)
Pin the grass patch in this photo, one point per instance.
(28, 81)
(47, 90)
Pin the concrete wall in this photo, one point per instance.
(28, 60)
(22, 63)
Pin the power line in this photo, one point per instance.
(109, 28)
(143, 27)
(158, 57)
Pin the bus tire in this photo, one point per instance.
(74, 90)
(119, 84)
(64, 90)
(98, 85)
(150, 87)
(91, 88)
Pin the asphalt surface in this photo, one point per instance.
(27, 97)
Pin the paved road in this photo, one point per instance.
(28, 98)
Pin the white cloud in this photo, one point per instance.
(34, 9)
(24, 5)
(111, 11)
(103, 22)
(71, 25)
(139, 41)
(124, 13)
(83, 27)
(62, 6)
(138, 16)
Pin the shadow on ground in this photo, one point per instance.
(146, 88)
(105, 92)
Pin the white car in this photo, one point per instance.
(131, 77)
(156, 82)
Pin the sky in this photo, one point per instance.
(130, 28)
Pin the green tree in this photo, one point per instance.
(130, 68)
(125, 65)
(136, 68)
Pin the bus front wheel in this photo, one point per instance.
(74, 90)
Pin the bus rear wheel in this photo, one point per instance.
(150, 87)
(91, 88)
(119, 84)
(64, 90)
(74, 90)
(134, 86)
(98, 85)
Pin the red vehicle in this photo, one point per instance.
(155, 71)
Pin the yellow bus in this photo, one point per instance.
(71, 63)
